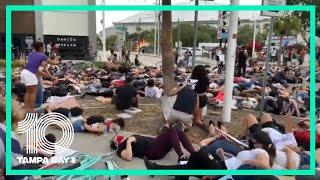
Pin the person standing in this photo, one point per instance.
(273, 54)
(30, 74)
(48, 49)
(242, 61)
(176, 55)
(301, 56)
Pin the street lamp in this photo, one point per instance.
(140, 29)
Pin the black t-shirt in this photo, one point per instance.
(202, 85)
(63, 111)
(242, 57)
(139, 148)
(279, 76)
(95, 119)
(125, 94)
(186, 100)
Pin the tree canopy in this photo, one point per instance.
(305, 15)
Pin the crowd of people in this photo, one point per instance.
(267, 144)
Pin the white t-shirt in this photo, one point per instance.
(273, 53)
(235, 162)
(49, 48)
(280, 140)
(281, 160)
(153, 92)
(76, 118)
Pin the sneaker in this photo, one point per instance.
(183, 160)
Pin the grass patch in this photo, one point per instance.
(15, 63)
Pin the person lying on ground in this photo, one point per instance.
(281, 76)
(16, 151)
(153, 147)
(126, 96)
(184, 106)
(260, 157)
(283, 140)
(42, 147)
(95, 124)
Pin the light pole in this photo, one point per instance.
(104, 32)
(254, 35)
(140, 30)
(195, 33)
(230, 62)
(178, 35)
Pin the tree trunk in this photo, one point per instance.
(280, 51)
(167, 51)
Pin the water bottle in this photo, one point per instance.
(69, 116)
(105, 131)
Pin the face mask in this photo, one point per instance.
(119, 139)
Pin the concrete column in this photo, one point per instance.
(92, 27)
(38, 21)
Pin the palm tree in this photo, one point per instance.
(167, 51)
(287, 25)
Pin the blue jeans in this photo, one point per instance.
(227, 146)
(39, 98)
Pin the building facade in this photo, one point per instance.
(23, 27)
(74, 31)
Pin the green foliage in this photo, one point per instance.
(99, 42)
(206, 33)
(147, 36)
(126, 64)
(305, 15)
(99, 64)
(245, 34)
(14, 63)
(288, 25)
(111, 42)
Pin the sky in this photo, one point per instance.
(111, 17)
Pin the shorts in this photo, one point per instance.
(78, 126)
(178, 116)
(203, 101)
(305, 160)
(28, 78)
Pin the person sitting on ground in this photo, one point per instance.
(153, 148)
(151, 90)
(281, 76)
(126, 96)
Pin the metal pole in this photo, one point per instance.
(104, 33)
(139, 36)
(178, 35)
(230, 62)
(159, 30)
(155, 34)
(254, 36)
(195, 33)
(266, 69)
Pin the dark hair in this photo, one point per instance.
(37, 45)
(129, 79)
(264, 139)
(113, 145)
(199, 72)
(51, 138)
(120, 122)
(76, 111)
(150, 83)
(286, 69)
